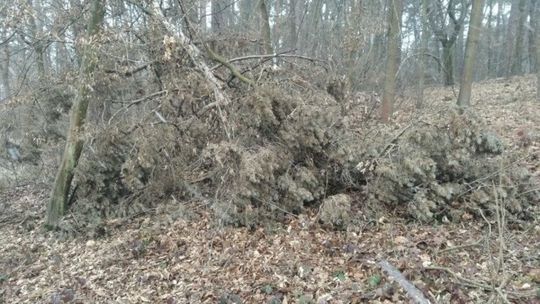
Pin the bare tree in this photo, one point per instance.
(423, 50)
(293, 34)
(537, 30)
(395, 10)
(447, 25)
(265, 28)
(518, 54)
(59, 197)
(533, 20)
(5, 55)
(475, 25)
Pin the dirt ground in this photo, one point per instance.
(159, 257)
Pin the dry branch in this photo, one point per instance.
(196, 57)
(414, 293)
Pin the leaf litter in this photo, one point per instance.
(158, 259)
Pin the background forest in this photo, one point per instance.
(174, 140)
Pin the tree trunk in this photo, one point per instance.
(537, 30)
(459, 53)
(265, 28)
(533, 19)
(59, 197)
(518, 58)
(245, 13)
(475, 25)
(37, 42)
(499, 58)
(511, 38)
(293, 34)
(392, 61)
(448, 62)
(6, 86)
(276, 29)
(490, 40)
(422, 58)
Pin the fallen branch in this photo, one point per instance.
(461, 247)
(228, 65)
(130, 73)
(482, 285)
(283, 54)
(414, 293)
(196, 57)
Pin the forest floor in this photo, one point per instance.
(156, 259)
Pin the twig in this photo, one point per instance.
(477, 243)
(471, 283)
(276, 55)
(135, 102)
(228, 65)
(130, 72)
(416, 295)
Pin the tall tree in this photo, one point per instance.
(533, 19)
(473, 36)
(5, 56)
(395, 10)
(537, 30)
(490, 39)
(37, 40)
(293, 34)
(57, 205)
(517, 65)
(447, 25)
(266, 35)
(423, 51)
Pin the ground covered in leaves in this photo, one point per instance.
(172, 255)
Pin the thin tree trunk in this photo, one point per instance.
(511, 38)
(537, 30)
(448, 62)
(533, 19)
(499, 58)
(37, 42)
(276, 30)
(475, 26)
(5, 70)
(517, 68)
(57, 205)
(490, 40)
(266, 35)
(245, 12)
(422, 58)
(293, 34)
(217, 24)
(392, 61)
(459, 54)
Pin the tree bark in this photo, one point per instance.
(475, 25)
(517, 64)
(448, 62)
(422, 58)
(490, 40)
(245, 12)
(447, 33)
(392, 60)
(57, 205)
(293, 34)
(37, 40)
(537, 30)
(499, 56)
(533, 19)
(265, 28)
(6, 85)
(511, 38)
